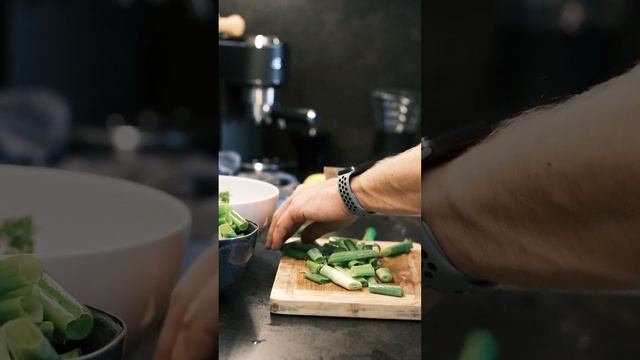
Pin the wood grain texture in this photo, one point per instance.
(294, 295)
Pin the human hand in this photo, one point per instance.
(319, 203)
(190, 330)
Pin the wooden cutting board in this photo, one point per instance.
(292, 294)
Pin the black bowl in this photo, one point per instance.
(234, 256)
(106, 341)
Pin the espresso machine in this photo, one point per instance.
(252, 69)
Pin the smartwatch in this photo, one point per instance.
(438, 271)
(344, 187)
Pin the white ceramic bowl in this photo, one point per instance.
(253, 199)
(114, 244)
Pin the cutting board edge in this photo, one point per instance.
(286, 307)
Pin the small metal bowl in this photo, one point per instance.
(235, 254)
(106, 341)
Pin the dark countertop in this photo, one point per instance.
(249, 331)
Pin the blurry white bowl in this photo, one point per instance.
(114, 244)
(253, 199)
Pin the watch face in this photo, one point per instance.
(345, 170)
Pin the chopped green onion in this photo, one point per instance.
(316, 278)
(399, 248)
(340, 278)
(294, 253)
(226, 231)
(350, 244)
(73, 354)
(299, 245)
(313, 266)
(47, 329)
(384, 289)
(363, 271)
(347, 256)
(375, 262)
(4, 350)
(239, 222)
(369, 234)
(341, 269)
(26, 341)
(362, 280)
(372, 280)
(355, 262)
(315, 255)
(69, 317)
(18, 271)
(384, 274)
(223, 197)
(21, 307)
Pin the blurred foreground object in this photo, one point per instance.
(34, 127)
(232, 25)
(480, 344)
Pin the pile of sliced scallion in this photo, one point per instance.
(36, 313)
(350, 263)
(230, 223)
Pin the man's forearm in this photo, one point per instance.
(392, 186)
(552, 200)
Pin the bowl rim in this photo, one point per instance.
(121, 337)
(252, 233)
(183, 223)
(273, 188)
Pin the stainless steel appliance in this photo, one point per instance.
(252, 69)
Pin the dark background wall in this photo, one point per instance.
(109, 57)
(341, 51)
(484, 61)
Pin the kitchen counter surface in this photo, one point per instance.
(249, 331)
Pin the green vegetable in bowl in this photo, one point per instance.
(223, 197)
(36, 313)
(230, 223)
(16, 235)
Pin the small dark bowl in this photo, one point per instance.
(235, 254)
(106, 342)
